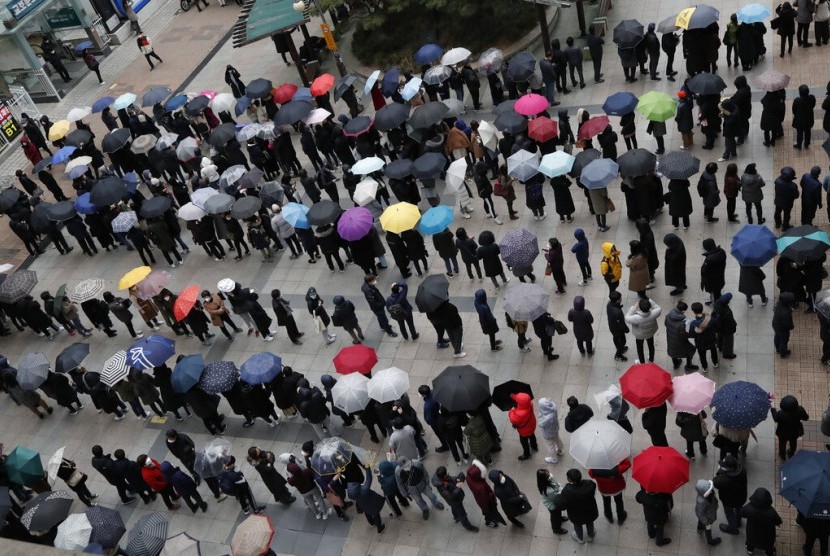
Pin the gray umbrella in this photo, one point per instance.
(78, 138)
(679, 165)
(32, 370)
(155, 206)
(272, 192)
(668, 25)
(523, 165)
(40, 221)
(428, 114)
(197, 105)
(292, 112)
(219, 203)
(398, 169)
(148, 535)
(219, 376)
(428, 165)
(108, 191)
(637, 162)
(250, 179)
(246, 207)
(47, 510)
(582, 159)
(432, 292)
(18, 285)
(521, 67)
(42, 164)
(505, 106)
(628, 33)
(258, 88)
(510, 122)
(9, 198)
(519, 248)
(115, 139)
(222, 134)
(391, 116)
(707, 84)
(599, 173)
(155, 96)
(62, 211)
(343, 85)
(526, 301)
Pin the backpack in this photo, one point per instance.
(396, 311)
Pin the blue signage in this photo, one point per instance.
(19, 8)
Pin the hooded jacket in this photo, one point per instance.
(344, 313)
(810, 191)
(610, 267)
(181, 481)
(548, 418)
(369, 501)
(511, 498)
(724, 319)
(788, 419)
(751, 280)
(580, 501)
(522, 417)
(706, 503)
(582, 319)
(616, 319)
(578, 416)
(481, 443)
(411, 477)
(643, 325)
(488, 322)
(484, 496)
(581, 247)
(677, 339)
(786, 191)
(731, 484)
(803, 106)
(656, 506)
(675, 259)
(782, 316)
(446, 486)
(611, 482)
(761, 520)
(386, 477)
(301, 478)
(713, 269)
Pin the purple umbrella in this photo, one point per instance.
(355, 223)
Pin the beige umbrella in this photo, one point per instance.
(53, 465)
(253, 536)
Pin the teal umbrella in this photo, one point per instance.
(803, 243)
(24, 466)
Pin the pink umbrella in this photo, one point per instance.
(531, 104)
(355, 223)
(209, 94)
(692, 392)
(153, 284)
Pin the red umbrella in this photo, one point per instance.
(592, 127)
(646, 385)
(284, 93)
(185, 302)
(322, 84)
(542, 129)
(661, 469)
(355, 359)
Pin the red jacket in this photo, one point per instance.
(31, 151)
(153, 476)
(522, 417)
(611, 481)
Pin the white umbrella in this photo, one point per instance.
(388, 385)
(456, 107)
(166, 140)
(523, 165)
(76, 162)
(53, 465)
(201, 195)
(455, 56)
(124, 221)
(600, 444)
(190, 211)
(78, 113)
(351, 393)
(456, 174)
(370, 82)
(488, 134)
(367, 165)
(317, 116)
(365, 192)
(604, 398)
(412, 88)
(74, 533)
(223, 102)
(248, 132)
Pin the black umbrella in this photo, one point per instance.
(155, 95)
(343, 85)
(61, 211)
(5, 503)
(521, 67)
(428, 165)
(461, 388)
(18, 285)
(77, 138)
(107, 526)
(108, 191)
(9, 198)
(428, 114)
(582, 160)
(505, 106)
(40, 221)
(637, 162)
(707, 84)
(221, 134)
(292, 112)
(357, 126)
(115, 139)
(47, 510)
(246, 207)
(391, 116)
(398, 169)
(324, 212)
(803, 243)
(197, 105)
(432, 292)
(502, 393)
(71, 357)
(271, 192)
(42, 164)
(258, 88)
(679, 165)
(155, 206)
(250, 179)
(628, 33)
(511, 122)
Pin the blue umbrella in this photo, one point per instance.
(740, 405)
(219, 376)
(62, 155)
(805, 483)
(436, 220)
(599, 173)
(102, 103)
(84, 206)
(391, 82)
(187, 372)
(81, 46)
(753, 13)
(620, 104)
(303, 93)
(261, 368)
(78, 171)
(150, 352)
(295, 214)
(428, 53)
(242, 104)
(176, 102)
(754, 245)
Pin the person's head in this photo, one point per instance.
(644, 305)
(574, 476)
(712, 168)
(635, 246)
(542, 480)
(697, 308)
(461, 233)
(732, 169)
(733, 18)
(750, 168)
(97, 451)
(803, 90)
(572, 402)
(681, 306)
(276, 294)
(569, 41)
(788, 173)
(729, 462)
(143, 460)
(230, 463)
(651, 27)
(554, 243)
(370, 279)
(172, 435)
(615, 297)
(424, 391)
(119, 454)
(108, 297)
(253, 452)
(276, 208)
(815, 171)
(398, 423)
(709, 244)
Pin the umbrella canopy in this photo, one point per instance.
(124, 101)
(771, 80)
(355, 223)
(594, 126)
(707, 84)
(367, 165)
(107, 526)
(502, 394)
(32, 370)
(221, 135)
(46, 510)
(556, 164)
(58, 131)
(284, 93)
(108, 191)
(679, 165)
(526, 301)
(186, 149)
(148, 535)
(332, 455)
(79, 162)
(461, 388)
(521, 67)
(115, 139)
(62, 155)
(196, 105)
(391, 116)
(740, 405)
(491, 61)
(189, 212)
(637, 162)
(628, 33)
(455, 56)
(510, 122)
(73, 533)
(24, 466)
(176, 102)
(691, 392)
(398, 169)
(71, 357)
(434, 75)
(199, 196)
(542, 129)
(18, 285)
(324, 212)
(296, 215)
(620, 104)
(223, 102)
(153, 284)
(9, 197)
(166, 141)
(78, 138)
(343, 85)
(155, 206)
(388, 385)
(219, 203)
(218, 377)
(186, 301)
(355, 359)
(143, 144)
(365, 192)
(391, 81)
(697, 17)
(456, 174)
(803, 243)
(531, 104)
(523, 165)
(504, 107)
(428, 53)
(357, 126)
(259, 88)
(667, 25)
(246, 207)
(54, 464)
(409, 90)
(599, 173)
(292, 112)
(150, 352)
(436, 219)
(124, 221)
(115, 369)
(600, 444)
(156, 95)
(660, 469)
(181, 545)
(102, 103)
(187, 373)
(271, 192)
(351, 393)
(400, 217)
(428, 165)
(754, 245)
(753, 13)
(805, 483)
(657, 106)
(519, 248)
(428, 114)
(261, 368)
(432, 293)
(250, 179)
(646, 385)
(44, 163)
(822, 305)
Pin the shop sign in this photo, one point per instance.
(63, 18)
(19, 8)
(9, 128)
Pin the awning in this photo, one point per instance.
(259, 19)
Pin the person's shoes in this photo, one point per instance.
(725, 529)
(621, 517)
(130, 501)
(119, 417)
(663, 542)
(523, 457)
(393, 334)
(609, 517)
(553, 357)
(382, 529)
(460, 354)
(577, 539)
(425, 514)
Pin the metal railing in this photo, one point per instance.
(32, 80)
(98, 26)
(21, 102)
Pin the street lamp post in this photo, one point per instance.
(300, 7)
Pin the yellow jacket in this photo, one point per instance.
(610, 263)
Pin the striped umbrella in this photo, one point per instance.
(148, 535)
(86, 290)
(115, 369)
(107, 526)
(219, 376)
(32, 370)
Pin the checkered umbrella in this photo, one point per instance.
(115, 368)
(107, 526)
(47, 510)
(86, 290)
(124, 221)
(18, 285)
(253, 536)
(181, 545)
(219, 376)
(32, 370)
(519, 248)
(148, 535)
(73, 533)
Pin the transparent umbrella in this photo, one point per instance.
(333, 454)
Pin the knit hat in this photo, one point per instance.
(681, 94)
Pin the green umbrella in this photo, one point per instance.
(24, 467)
(57, 306)
(656, 106)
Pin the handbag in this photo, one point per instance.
(76, 477)
(526, 507)
(548, 270)
(498, 189)
(611, 206)
(560, 327)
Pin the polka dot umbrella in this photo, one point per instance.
(107, 526)
(47, 510)
(219, 376)
(740, 405)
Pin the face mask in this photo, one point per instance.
(502, 479)
(206, 300)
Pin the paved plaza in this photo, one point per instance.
(183, 39)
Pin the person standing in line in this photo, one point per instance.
(731, 484)
(751, 192)
(413, 482)
(810, 195)
(669, 44)
(556, 264)
(803, 119)
(652, 44)
(617, 325)
(468, 247)
(263, 461)
(431, 416)
(131, 471)
(761, 517)
(104, 464)
(219, 314)
(344, 316)
(579, 500)
(184, 486)
(677, 338)
(368, 501)
(578, 414)
(548, 421)
(447, 318)
(713, 270)
(523, 420)
(706, 510)
(611, 484)
(788, 425)
(675, 263)
(377, 303)
(583, 329)
(450, 489)
(233, 483)
(120, 308)
(549, 488)
(693, 429)
(154, 477)
(548, 72)
(707, 189)
(402, 441)
(684, 117)
(488, 253)
(75, 479)
(654, 422)
(581, 250)
(702, 328)
(782, 324)
(401, 310)
(595, 43)
(804, 16)
(285, 316)
(484, 496)
(726, 326)
(183, 447)
(642, 316)
(574, 55)
(389, 487)
(489, 325)
(656, 508)
(513, 500)
(447, 250)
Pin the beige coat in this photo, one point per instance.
(216, 308)
(638, 279)
(457, 139)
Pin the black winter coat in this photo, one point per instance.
(789, 418)
(489, 256)
(690, 425)
(803, 106)
(731, 486)
(581, 502)
(444, 244)
(751, 280)
(786, 192)
(680, 200)
(656, 506)
(761, 520)
(713, 270)
(675, 259)
(654, 419)
(616, 319)
(511, 498)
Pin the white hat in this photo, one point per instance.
(226, 285)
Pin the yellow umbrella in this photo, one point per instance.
(59, 130)
(400, 217)
(133, 277)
